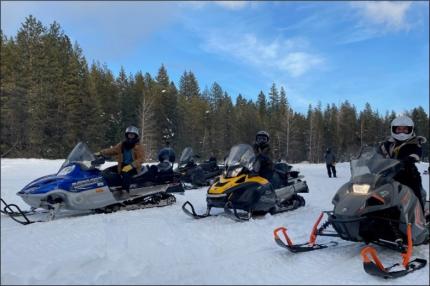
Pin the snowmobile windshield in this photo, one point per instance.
(241, 155)
(372, 162)
(81, 155)
(186, 155)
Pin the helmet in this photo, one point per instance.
(130, 142)
(133, 130)
(402, 121)
(262, 137)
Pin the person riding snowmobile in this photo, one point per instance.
(263, 164)
(130, 156)
(404, 145)
(167, 153)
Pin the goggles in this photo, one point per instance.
(402, 129)
(262, 139)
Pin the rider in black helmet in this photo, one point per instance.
(264, 164)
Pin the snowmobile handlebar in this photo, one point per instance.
(99, 160)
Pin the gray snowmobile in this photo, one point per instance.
(371, 208)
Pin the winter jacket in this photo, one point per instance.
(391, 148)
(138, 155)
(264, 163)
(408, 152)
(329, 158)
(167, 153)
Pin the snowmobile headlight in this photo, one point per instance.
(66, 171)
(360, 189)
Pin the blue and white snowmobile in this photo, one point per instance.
(80, 186)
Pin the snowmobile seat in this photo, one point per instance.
(142, 171)
(283, 168)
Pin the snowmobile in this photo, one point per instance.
(240, 188)
(197, 175)
(371, 208)
(81, 186)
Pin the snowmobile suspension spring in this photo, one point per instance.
(324, 226)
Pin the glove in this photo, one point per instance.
(127, 168)
(334, 163)
(409, 163)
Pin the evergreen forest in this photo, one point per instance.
(52, 98)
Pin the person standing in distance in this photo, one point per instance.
(330, 162)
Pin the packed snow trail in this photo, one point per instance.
(165, 246)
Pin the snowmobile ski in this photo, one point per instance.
(193, 213)
(304, 247)
(376, 267)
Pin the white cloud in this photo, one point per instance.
(391, 15)
(288, 55)
(233, 5)
(110, 29)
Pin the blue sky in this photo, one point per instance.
(328, 52)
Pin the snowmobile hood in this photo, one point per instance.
(224, 185)
(65, 179)
(356, 200)
(41, 185)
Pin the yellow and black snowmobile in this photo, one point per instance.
(243, 193)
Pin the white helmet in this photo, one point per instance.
(402, 121)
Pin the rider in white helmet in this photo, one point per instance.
(404, 145)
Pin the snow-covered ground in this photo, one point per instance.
(165, 246)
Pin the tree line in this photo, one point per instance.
(51, 98)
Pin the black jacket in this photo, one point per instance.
(263, 163)
(408, 152)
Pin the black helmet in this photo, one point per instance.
(262, 137)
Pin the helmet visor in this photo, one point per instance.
(131, 135)
(402, 129)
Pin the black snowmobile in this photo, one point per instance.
(239, 188)
(81, 187)
(197, 175)
(371, 208)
